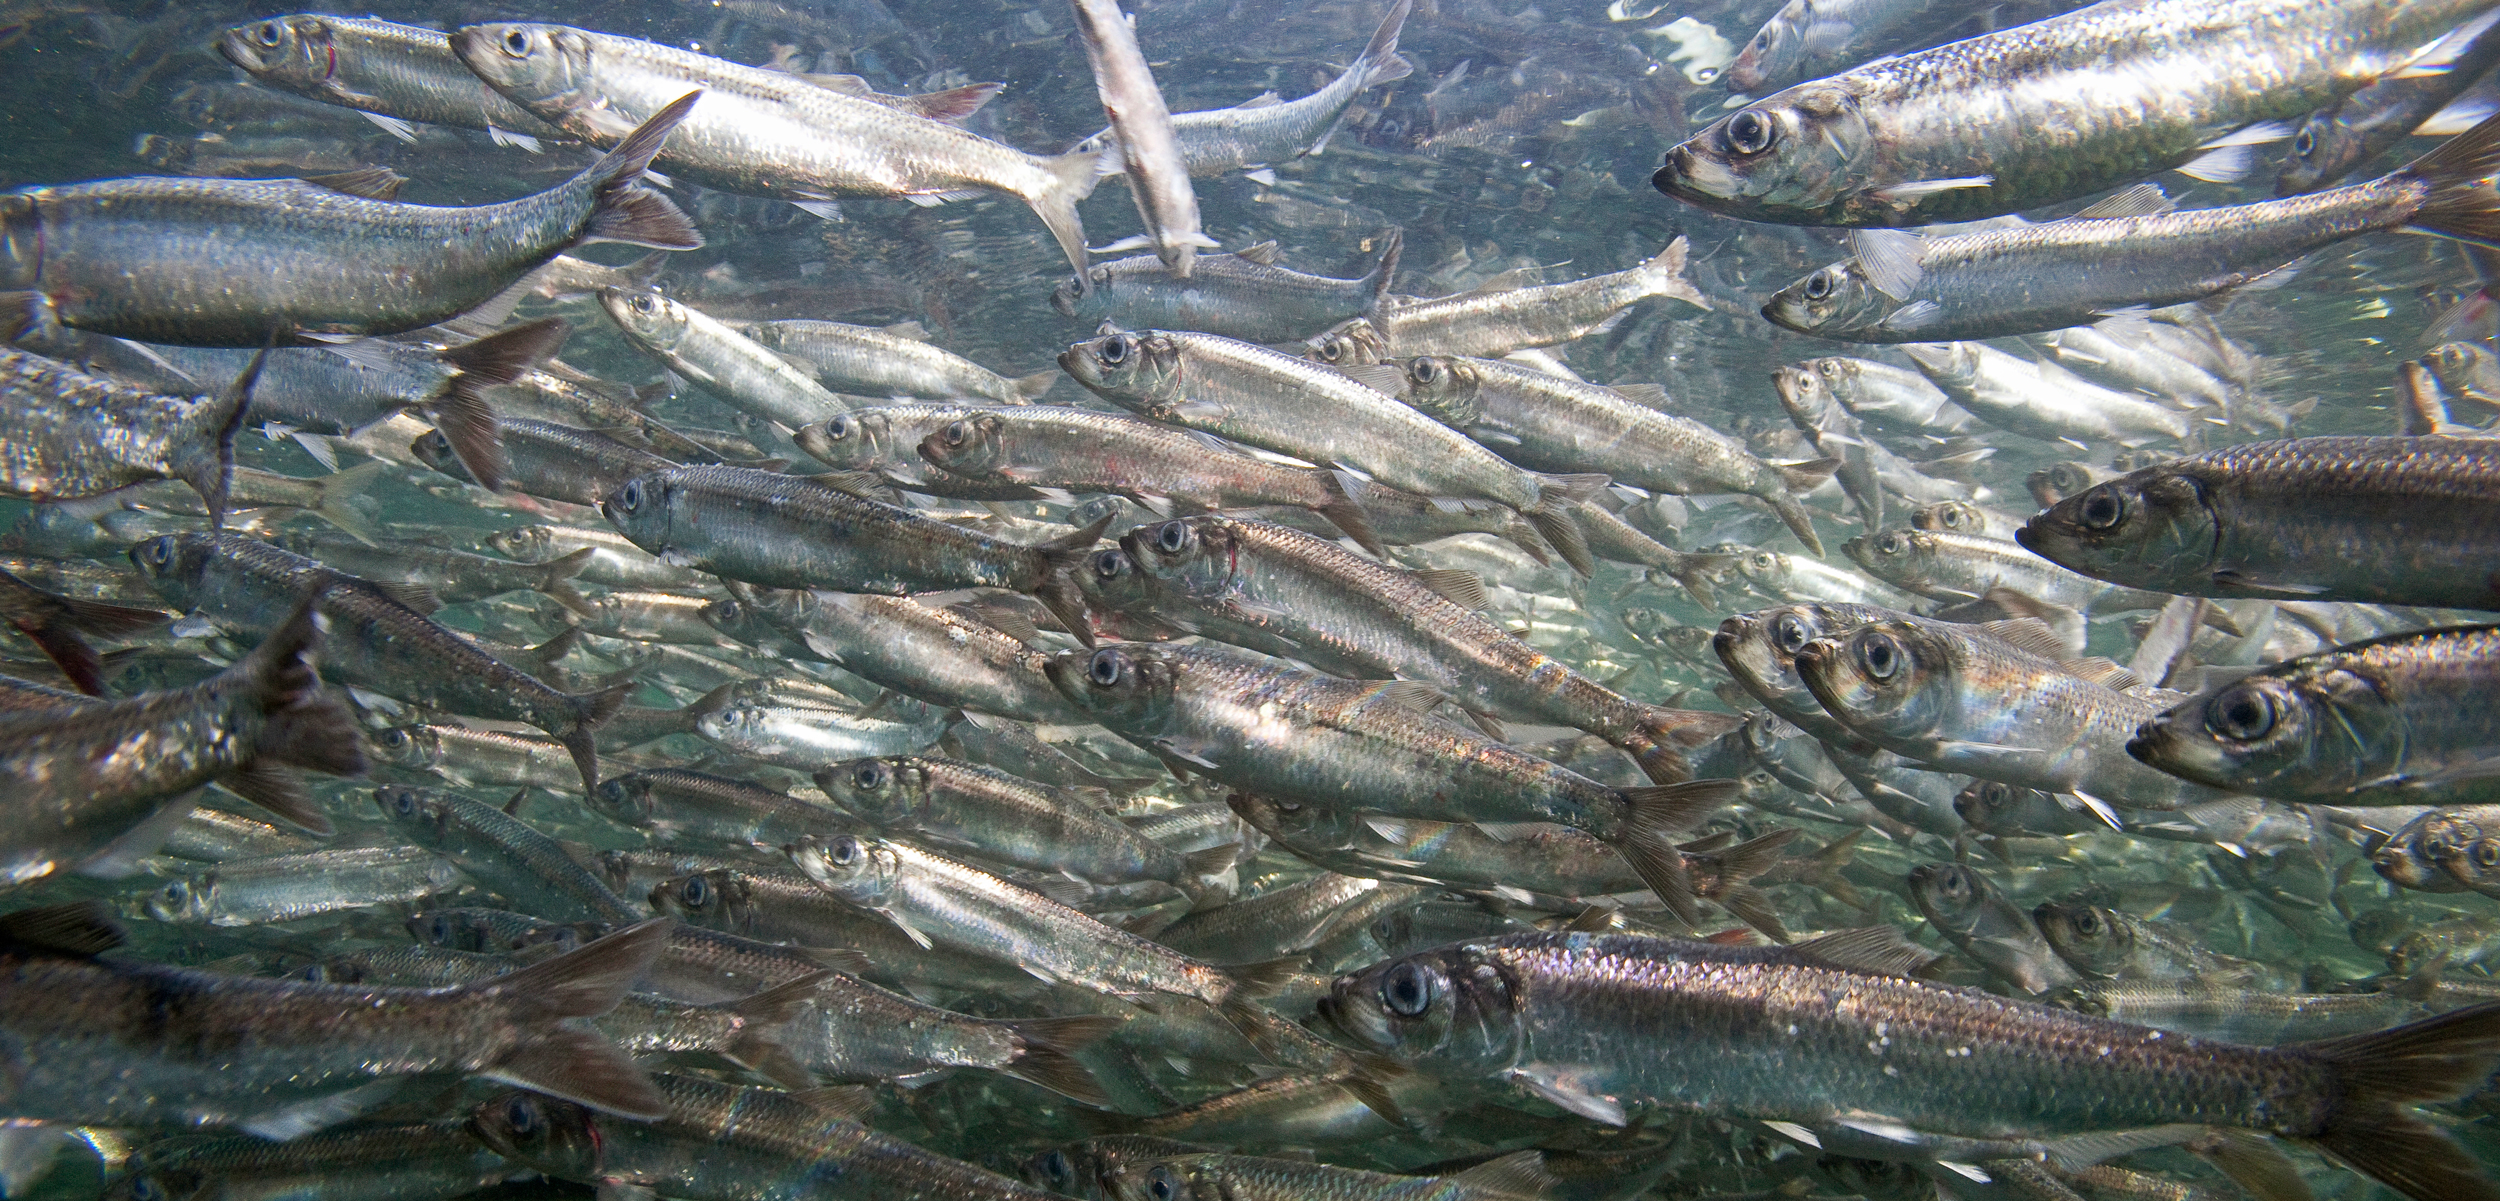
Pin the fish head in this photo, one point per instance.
(413, 748)
(1450, 1007)
(1793, 157)
(2087, 936)
(2323, 143)
(186, 900)
(298, 53)
(1951, 517)
(711, 899)
(1889, 677)
(855, 441)
(176, 566)
(733, 721)
(1760, 648)
(861, 871)
(423, 817)
(1354, 343)
(1295, 823)
(1996, 807)
(1154, 1180)
(639, 509)
(630, 800)
(1445, 387)
(433, 449)
(1905, 559)
(1073, 299)
(1128, 687)
(2153, 525)
(1950, 895)
(1132, 369)
(1768, 568)
(2476, 864)
(557, 1138)
(547, 69)
(1190, 554)
(2289, 735)
(527, 543)
(1837, 301)
(1805, 393)
(1119, 598)
(878, 791)
(449, 930)
(647, 317)
(974, 446)
(1776, 51)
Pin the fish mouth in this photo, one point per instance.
(1358, 1024)
(240, 51)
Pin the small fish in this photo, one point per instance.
(1142, 128)
(402, 75)
(505, 854)
(893, 361)
(73, 435)
(2337, 140)
(2041, 399)
(1244, 294)
(1503, 315)
(716, 357)
(284, 888)
(118, 257)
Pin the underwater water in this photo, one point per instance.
(1460, 694)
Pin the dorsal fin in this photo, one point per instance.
(1649, 396)
(2105, 672)
(371, 183)
(81, 928)
(1262, 100)
(414, 595)
(906, 329)
(1508, 281)
(2138, 200)
(1881, 950)
(1263, 253)
(2027, 634)
(1415, 696)
(1462, 588)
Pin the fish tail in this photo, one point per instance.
(206, 462)
(590, 711)
(1557, 521)
(1663, 734)
(1800, 521)
(2458, 206)
(1657, 816)
(1046, 1055)
(57, 633)
(1057, 590)
(1525, 537)
(1032, 387)
(1344, 511)
(1072, 179)
(2376, 1076)
(557, 584)
(1663, 275)
(626, 211)
(1380, 61)
(460, 410)
(338, 489)
(305, 727)
(1392, 244)
(1697, 574)
(578, 1065)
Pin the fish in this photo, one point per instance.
(1809, 39)
(1198, 709)
(2040, 399)
(891, 362)
(1543, 421)
(503, 853)
(1149, 146)
(1892, 142)
(2106, 943)
(1584, 1020)
(781, 531)
(1243, 294)
(544, 459)
(146, 1044)
(74, 435)
(2335, 141)
(426, 1158)
(1210, 1175)
(2401, 514)
(404, 75)
(1266, 129)
(2377, 722)
(1974, 915)
(283, 888)
(94, 785)
(2123, 253)
(1949, 566)
(247, 585)
(57, 625)
(767, 133)
(803, 738)
(1504, 315)
(716, 357)
(116, 257)
(1262, 397)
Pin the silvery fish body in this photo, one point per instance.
(1894, 396)
(805, 739)
(1150, 149)
(1948, 566)
(769, 133)
(403, 72)
(1243, 294)
(2041, 400)
(2337, 140)
(1976, 916)
(1489, 323)
(283, 888)
(136, 258)
(1809, 39)
(71, 434)
(2043, 112)
(719, 359)
(505, 854)
(860, 360)
(998, 818)
(939, 656)
(2392, 520)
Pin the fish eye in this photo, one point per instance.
(1880, 655)
(2101, 508)
(1114, 351)
(161, 550)
(1706, 75)
(2088, 922)
(1106, 667)
(838, 426)
(1763, 561)
(438, 928)
(267, 34)
(2305, 143)
(1407, 991)
(1819, 286)
(1750, 133)
(1173, 538)
(645, 305)
(870, 776)
(144, 1189)
(402, 802)
(1954, 883)
(516, 43)
(1161, 1184)
(2242, 714)
(958, 432)
(392, 739)
(629, 497)
(1791, 632)
(1995, 793)
(520, 1116)
(1332, 350)
(1425, 371)
(694, 892)
(844, 851)
(1110, 564)
(2485, 853)
(1890, 544)
(1056, 1166)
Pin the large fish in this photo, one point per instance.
(2045, 112)
(153, 259)
(1608, 1025)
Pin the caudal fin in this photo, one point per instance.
(1032, 387)
(334, 502)
(591, 711)
(2377, 1076)
(54, 624)
(460, 410)
(1072, 179)
(303, 726)
(2458, 205)
(1663, 275)
(1045, 1055)
(1344, 511)
(1656, 817)
(1557, 520)
(1664, 734)
(1380, 61)
(1799, 519)
(205, 459)
(577, 1065)
(625, 210)
(1392, 244)
(1057, 591)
